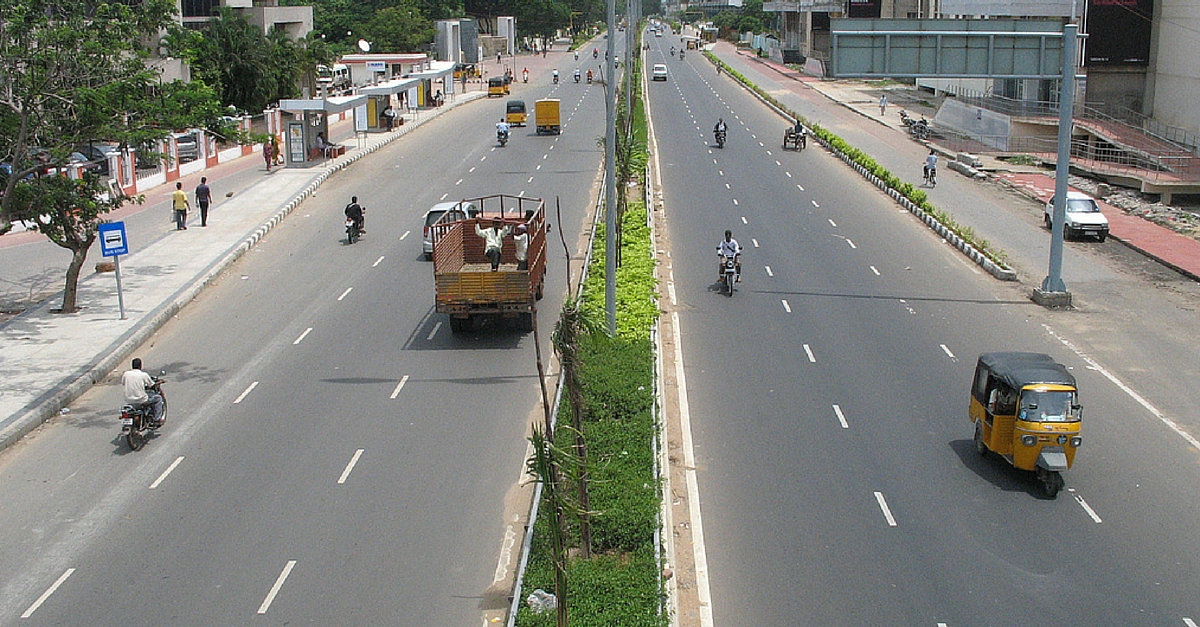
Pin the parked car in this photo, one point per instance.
(1083, 217)
(659, 72)
(462, 211)
(187, 147)
(99, 153)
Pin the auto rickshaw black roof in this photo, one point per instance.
(515, 106)
(1021, 369)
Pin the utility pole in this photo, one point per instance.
(610, 175)
(1053, 292)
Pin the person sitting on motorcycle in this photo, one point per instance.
(589, 76)
(931, 164)
(595, 53)
(555, 74)
(720, 128)
(502, 127)
(576, 75)
(354, 211)
(139, 391)
(525, 75)
(672, 50)
(729, 249)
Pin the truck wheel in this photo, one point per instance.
(542, 284)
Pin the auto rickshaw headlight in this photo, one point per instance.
(1076, 441)
(1029, 440)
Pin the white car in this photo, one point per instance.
(457, 210)
(659, 72)
(1083, 217)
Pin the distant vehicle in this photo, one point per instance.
(457, 211)
(659, 72)
(514, 113)
(547, 115)
(186, 147)
(99, 153)
(1083, 217)
(335, 78)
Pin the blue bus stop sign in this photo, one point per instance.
(112, 239)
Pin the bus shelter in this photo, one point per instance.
(310, 123)
(438, 80)
(399, 93)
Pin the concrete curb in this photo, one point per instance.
(972, 253)
(51, 406)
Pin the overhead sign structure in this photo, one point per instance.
(945, 48)
(113, 243)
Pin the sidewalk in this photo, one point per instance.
(50, 359)
(1157, 242)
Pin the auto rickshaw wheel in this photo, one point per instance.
(980, 447)
(1052, 482)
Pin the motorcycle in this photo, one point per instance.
(595, 53)
(137, 423)
(525, 77)
(354, 229)
(556, 78)
(576, 76)
(931, 176)
(919, 129)
(720, 136)
(589, 77)
(905, 119)
(576, 55)
(729, 274)
(502, 137)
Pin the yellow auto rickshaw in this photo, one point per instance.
(1025, 408)
(496, 86)
(514, 113)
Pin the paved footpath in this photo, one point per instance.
(1176, 251)
(50, 359)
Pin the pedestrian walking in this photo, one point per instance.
(497, 58)
(203, 198)
(882, 105)
(180, 206)
(268, 153)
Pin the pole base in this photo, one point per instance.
(1052, 300)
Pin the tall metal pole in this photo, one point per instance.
(610, 174)
(1066, 105)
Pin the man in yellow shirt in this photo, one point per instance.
(180, 204)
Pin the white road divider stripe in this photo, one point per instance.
(786, 306)
(436, 327)
(302, 336)
(769, 273)
(948, 353)
(345, 293)
(46, 595)
(163, 476)
(287, 570)
(399, 386)
(350, 466)
(380, 260)
(1087, 508)
(887, 513)
(243, 394)
(841, 417)
(808, 351)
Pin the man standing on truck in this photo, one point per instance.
(493, 238)
(521, 240)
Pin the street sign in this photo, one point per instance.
(112, 239)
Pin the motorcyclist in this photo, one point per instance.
(576, 75)
(525, 75)
(139, 391)
(576, 55)
(720, 128)
(502, 128)
(729, 249)
(672, 50)
(354, 211)
(589, 76)
(931, 164)
(595, 53)
(555, 75)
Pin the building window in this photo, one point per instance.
(199, 8)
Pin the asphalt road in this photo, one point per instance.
(828, 403)
(333, 454)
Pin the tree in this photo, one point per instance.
(72, 72)
(400, 28)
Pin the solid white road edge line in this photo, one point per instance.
(887, 513)
(287, 570)
(350, 466)
(166, 472)
(46, 595)
(243, 394)
(693, 488)
(399, 386)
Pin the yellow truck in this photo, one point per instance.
(546, 113)
(467, 289)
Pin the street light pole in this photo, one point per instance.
(610, 175)
(1053, 292)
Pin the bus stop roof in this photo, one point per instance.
(393, 86)
(336, 104)
(436, 69)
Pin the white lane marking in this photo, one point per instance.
(699, 553)
(735, 201)
(754, 241)
(350, 466)
(302, 336)
(948, 353)
(46, 595)
(851, 243)
(1189, 622)
(942, 625)
(744, 221)
(539, 167)
(1088, 508)
(552, 145)
(401, 237)
(471, 170)
(911, 311)
(506, 547)
(808, 351)
(798, 186)
(287, 570)
(833, 224)
(166, 472)
(786, 306)
(522, 193)
(444, 196)
(841, 417)
(458, 182)
(789, 174)
(714, 160)
(439, 324)
(345, 293)
(761, 145)
(776, 161)
(530, 180)
(769, 273)
(721, 172)
(815, 204)
(399, 386)
(545, 156)
(887, 513)
(770, 154)
(243, 394)
(875, 271)
(1171, 424)
(727, 186)
(485, 156)
(380, 260)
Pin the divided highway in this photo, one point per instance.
(828, 404)
(333, 454)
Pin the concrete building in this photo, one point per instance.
(296, 21)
